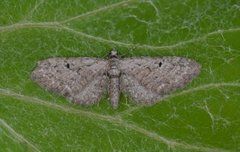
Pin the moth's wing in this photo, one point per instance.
(81, 80)
(147, 80)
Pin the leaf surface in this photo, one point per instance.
(204, 116)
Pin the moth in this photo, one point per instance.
(84, 80)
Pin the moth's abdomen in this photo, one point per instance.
(114, 86)
(114, 92)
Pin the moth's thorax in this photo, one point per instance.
(114, 71)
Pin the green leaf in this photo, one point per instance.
(204, 116)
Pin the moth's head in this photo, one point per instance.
(113, 54)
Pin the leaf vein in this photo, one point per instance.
(18, 136)
(58, 25)
(89, 13)
(199, 88)
(116, 120)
